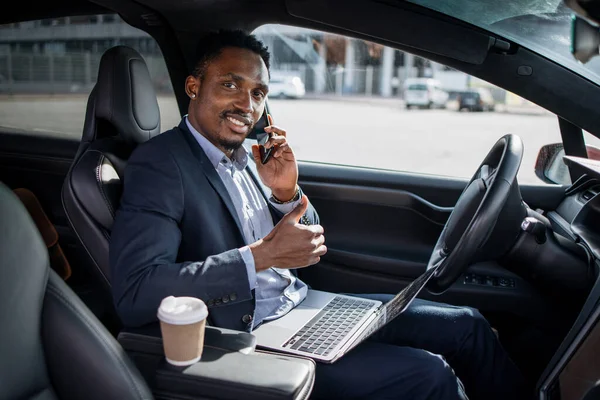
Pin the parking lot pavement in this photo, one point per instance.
(439, 142)
(377, 133)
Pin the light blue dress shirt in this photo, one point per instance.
(277, 290)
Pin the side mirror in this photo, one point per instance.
(549, 165)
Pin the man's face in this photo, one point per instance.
(230, 98)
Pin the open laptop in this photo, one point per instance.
(325, 326)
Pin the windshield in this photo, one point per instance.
(542, 26)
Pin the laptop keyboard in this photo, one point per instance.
(325, 331)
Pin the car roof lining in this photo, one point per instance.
(399, 26)
(550, 85)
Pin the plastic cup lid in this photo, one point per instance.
(182, 310)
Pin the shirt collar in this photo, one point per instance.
(215, 155)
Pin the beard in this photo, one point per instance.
(231, 144)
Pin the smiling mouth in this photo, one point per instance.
(236, 122)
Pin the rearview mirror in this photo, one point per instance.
(549, 165)
(585, 39)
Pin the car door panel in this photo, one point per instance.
(381, 226)
(39, 164)
(375, 221)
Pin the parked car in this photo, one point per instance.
(424, 92)
(286, 86)
(479, 99)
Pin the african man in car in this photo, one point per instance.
(193, 221)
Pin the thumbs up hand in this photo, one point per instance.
(290, 244)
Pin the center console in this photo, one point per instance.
(230, 368)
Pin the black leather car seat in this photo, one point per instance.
(52, 346)
(122, 111)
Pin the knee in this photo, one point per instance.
(430, 377)
(442, 381)
(473, 322)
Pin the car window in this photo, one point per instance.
(417, 87)
(360, 112)
(48, 68)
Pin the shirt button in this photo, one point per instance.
(225, 299)
(247, 318)
(210, 303)
(233, 297)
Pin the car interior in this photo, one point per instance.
(527, 256)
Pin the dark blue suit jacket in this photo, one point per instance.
(176, 232)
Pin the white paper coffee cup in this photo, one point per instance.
(182, 323)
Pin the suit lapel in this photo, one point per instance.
(211, 174)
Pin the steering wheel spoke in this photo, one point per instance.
(490, 179)
(487, 174)
(437, 259)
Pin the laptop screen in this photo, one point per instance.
(402, 300)
(394, 307)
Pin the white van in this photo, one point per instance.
(424, 92)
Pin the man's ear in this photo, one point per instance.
(192, 87)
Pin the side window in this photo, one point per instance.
(363, 104)
(48, 68)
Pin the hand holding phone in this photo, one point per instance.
(281, 175)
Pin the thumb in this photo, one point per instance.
(256, 154)
(295, 215)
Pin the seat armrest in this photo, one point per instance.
(226, 339)
(230, 369)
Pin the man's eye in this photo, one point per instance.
(260, 94)
(229, 85)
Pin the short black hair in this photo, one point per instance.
(211, 45)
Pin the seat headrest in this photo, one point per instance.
(124, 95)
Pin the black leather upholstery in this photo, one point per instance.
(122, 112)
(125, 96)
(24, 270)
(52, 346)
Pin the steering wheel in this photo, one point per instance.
(476, 212)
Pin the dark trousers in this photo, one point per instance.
(431, 351)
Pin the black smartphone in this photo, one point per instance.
(262, 137)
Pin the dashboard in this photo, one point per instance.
(574, 371)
